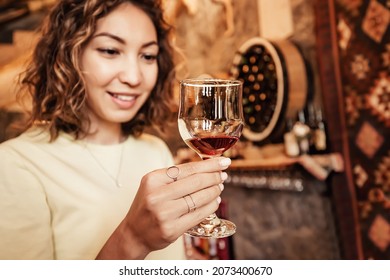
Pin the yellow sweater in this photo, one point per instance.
(60, 200)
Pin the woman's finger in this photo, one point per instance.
(191, 219)
(210, 165)
(199, 199)
(191, 184)
(167, 209)
(181, 171)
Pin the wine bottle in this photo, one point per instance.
(320, 138)
(311, 122)
(302, 133)
(290, 141)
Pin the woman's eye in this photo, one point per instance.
(149, 57)
(109, 52)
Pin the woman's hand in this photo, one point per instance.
(160, 212)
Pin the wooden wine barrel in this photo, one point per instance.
(275, 84)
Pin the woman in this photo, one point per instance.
(84, 181)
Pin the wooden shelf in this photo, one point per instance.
(318, 165)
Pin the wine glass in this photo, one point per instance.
(210, 122)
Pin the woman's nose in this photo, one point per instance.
(131, 73)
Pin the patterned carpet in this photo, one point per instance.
(363, 47)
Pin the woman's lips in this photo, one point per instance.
(125, 101)
(123, 97)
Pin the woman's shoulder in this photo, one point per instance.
(27, 138)
(33, 143)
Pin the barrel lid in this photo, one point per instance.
(258, 65)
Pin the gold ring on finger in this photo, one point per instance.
(173, 172)
(190, 203)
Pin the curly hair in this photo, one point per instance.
(54, 79)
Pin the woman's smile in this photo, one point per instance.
(124, 100)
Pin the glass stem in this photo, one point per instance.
(211, 221)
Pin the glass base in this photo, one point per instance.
(225, 228)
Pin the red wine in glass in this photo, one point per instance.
(210, 146)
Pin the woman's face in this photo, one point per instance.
(119, 65)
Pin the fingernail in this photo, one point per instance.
(221, 186)
(219, 199)
(224, 176)
(225, 162)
